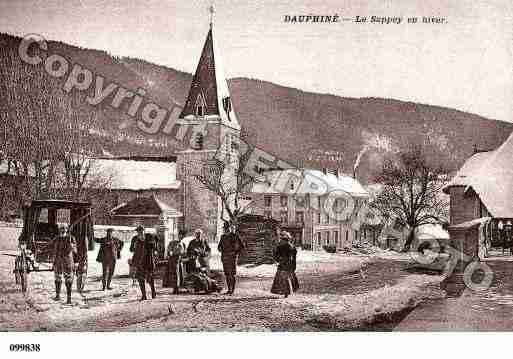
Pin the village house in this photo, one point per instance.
(482, 193)
(300, 205)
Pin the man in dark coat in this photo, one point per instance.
(64, 247)
(109, 252)
(174, 275)
(143, 246)
(285, 281)
(230, 246)
(198, 250)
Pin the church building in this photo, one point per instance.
(208, 107)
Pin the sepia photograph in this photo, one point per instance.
(255, 166)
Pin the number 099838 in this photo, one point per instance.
(24, 347)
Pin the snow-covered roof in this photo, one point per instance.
(307, 181)
(145, 206)
(470, 224)
(472, 165)
(4, 168)
(490, 175)
(431, 231)
(136, 175)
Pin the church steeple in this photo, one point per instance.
(209, 97)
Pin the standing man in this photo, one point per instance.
(143, 246)
(109, 252)
(230, 246)
(175, 272)
(199, 249)
(64, 246)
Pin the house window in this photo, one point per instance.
(300, 201)
(267, 214)
(327, 218)
(283, 216)
(335, 237)
(318, 218)
(328, 238)
(300, 217)
(319, 202)
(347, 235)
(318, 238)
(267, 201)
(283, 201)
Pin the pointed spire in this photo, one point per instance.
(209, 94)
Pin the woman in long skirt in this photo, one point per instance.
(285, 281)
(175, 270)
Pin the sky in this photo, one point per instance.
(464, 63)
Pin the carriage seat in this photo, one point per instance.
(46, 231)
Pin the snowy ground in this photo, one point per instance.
(338, 292)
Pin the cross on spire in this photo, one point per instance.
(212, 11)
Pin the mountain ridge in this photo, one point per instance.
(283, 120)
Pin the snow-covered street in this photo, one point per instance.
(337, 292)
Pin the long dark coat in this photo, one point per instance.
(285, 280)
(143, 259)
(230, 245)
(110, 249)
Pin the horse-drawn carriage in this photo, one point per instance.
(40, 226)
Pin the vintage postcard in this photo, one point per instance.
(255, 166)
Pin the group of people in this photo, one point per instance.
(186, 265)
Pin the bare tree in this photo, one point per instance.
(229, 179)
(28, 110)
(412, 184)
(45, 132)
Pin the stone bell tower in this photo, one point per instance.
(209, 112)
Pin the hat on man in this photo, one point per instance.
(285, 235)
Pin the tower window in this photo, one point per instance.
(201, 106)
(227, 104)
(200, 110)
